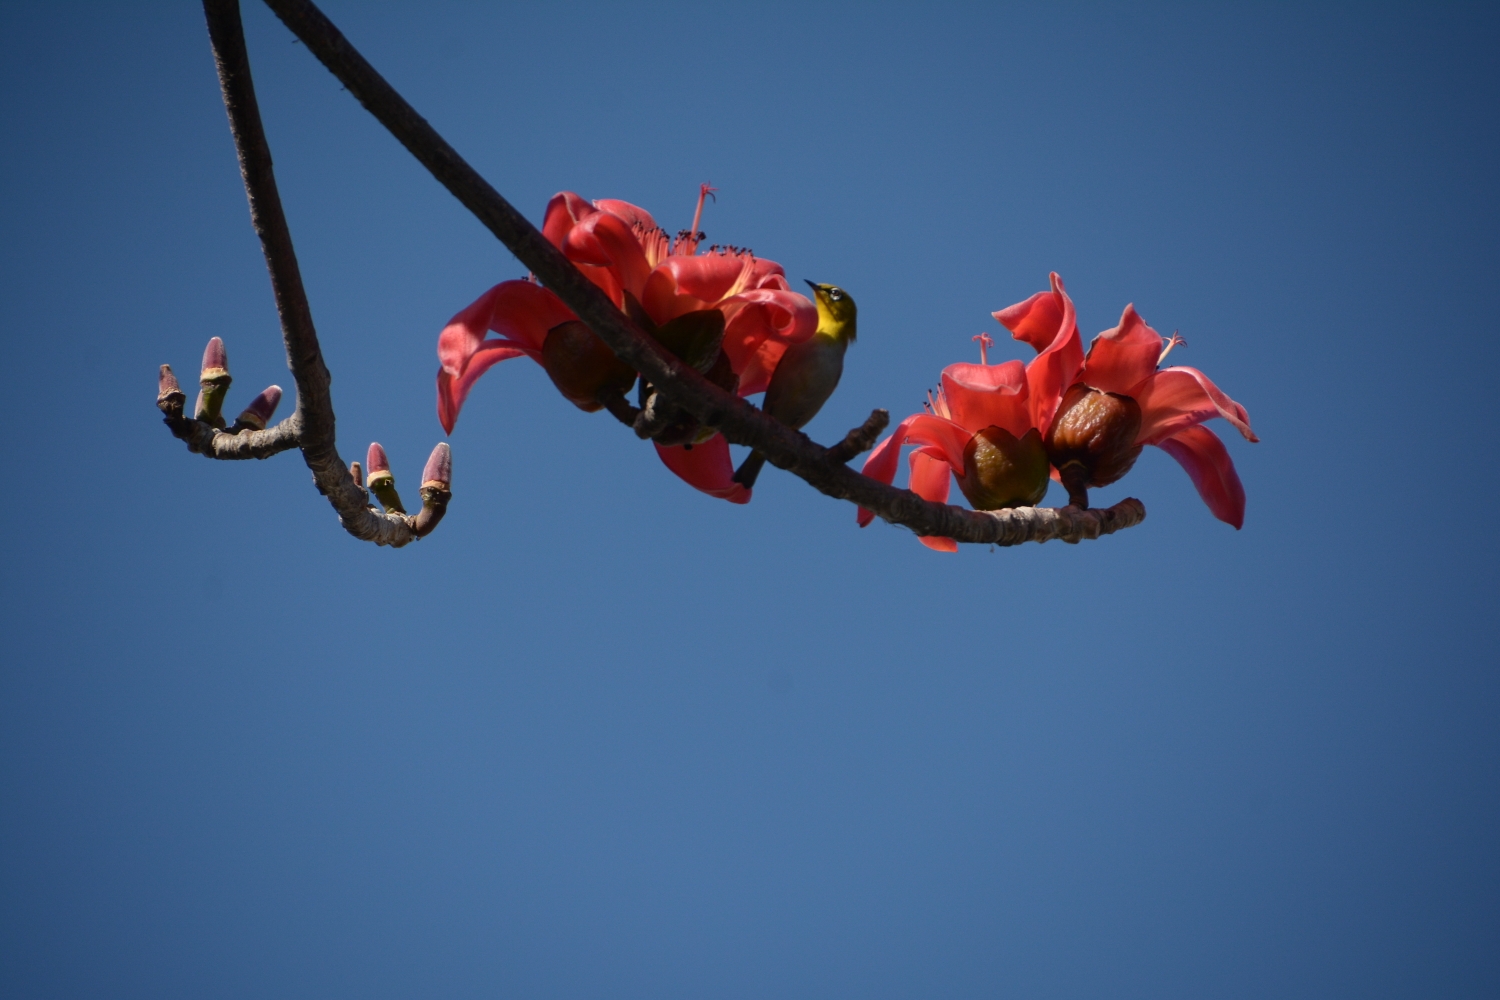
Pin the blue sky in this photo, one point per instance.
(603, 736)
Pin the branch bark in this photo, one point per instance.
(739, 421)
(311, 425)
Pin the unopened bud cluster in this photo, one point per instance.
(437, 479)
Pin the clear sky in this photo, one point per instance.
(601, 735)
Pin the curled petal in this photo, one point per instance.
(564, 211)
(663, 300)
(1199, 451)
(633, 215)
(520, 311)
(708, 277)
(1175, 399)
(706, 467)
(606, 240)
(766, 274)
(755, 371)
(453, 391)
(1123, 358)
(761, 315)
(945, 438)
(931, 478)
(1047, 322)
(981, 396)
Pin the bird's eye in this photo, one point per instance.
(835, 293)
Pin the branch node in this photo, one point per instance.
(861, 439)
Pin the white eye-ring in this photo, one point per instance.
(835, 294)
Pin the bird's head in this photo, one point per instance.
(836, 311)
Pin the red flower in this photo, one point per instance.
(1173, 404)
(622, 250)
(958, 435)
(1066, 402)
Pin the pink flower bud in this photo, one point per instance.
(261, 408)
(215, 360)
(438, 472)
(375, 460)
(167, 384)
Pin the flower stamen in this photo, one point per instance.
(705, 190)
(1173, 341)
(985, 343)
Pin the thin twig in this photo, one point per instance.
(311, 425)
(740, 422)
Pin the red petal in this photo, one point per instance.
(944, 438)
(453, 391)
(563, 213)
(632, 214)
(1175, 399)
(767, 274)
(760, 315)
(1123, 358)
(1203, 455)
(709, 277)
(606, 240)
(661, 299)
(756, 374)
(706, 467)
(1048, 323)
(930, 480)
(981, 396)
(518, 310)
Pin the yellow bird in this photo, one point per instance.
(808, 372)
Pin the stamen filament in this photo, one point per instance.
(704, 191)
(1173, 341)
(985, 343)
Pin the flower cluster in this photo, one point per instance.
(1083, 419)
(724, 311)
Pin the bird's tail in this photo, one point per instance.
(749, 469)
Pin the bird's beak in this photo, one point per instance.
(814, 286)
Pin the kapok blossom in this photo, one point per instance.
(985, 421)
(649, 275)
(1123, 388)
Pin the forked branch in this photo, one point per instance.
(680, 385)
(311, 425)
(739, 422)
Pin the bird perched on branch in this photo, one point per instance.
(808, 372)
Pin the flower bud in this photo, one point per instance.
(215, 360)
(168, 392)
(376, 462)
(213, 380)
(260, 410)
(583, 367)
(437, 476)
(1092, 439)
(1003, 471)
(438, 472)
(382, 482)
(357, 474)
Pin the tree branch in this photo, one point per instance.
(739, 421)
(311, 425)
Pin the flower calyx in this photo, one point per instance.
(1001, 470)
(1092, 440)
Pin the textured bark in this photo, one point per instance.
(740, 422)
(311, 425)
